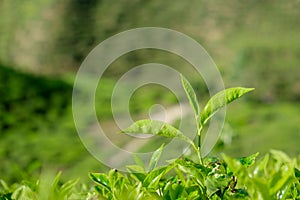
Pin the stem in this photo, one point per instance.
(199, 157)
(199, 144)
(199, 137)
(198, 153)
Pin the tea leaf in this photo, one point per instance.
(152, 179)
(101, 179)
(249, 160)
(297, 173)
(191, 96)
(67, 187)
(219, 100)
(155, 127)
(155, 157)
(138, 161)
(261, 187)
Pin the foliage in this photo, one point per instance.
(216, 102)
(208, 179)
(276, 176)
(55, 190)
(273, 176)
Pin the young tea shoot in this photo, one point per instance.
(218, 101)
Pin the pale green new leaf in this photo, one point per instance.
(23, 193)
(152, 179)
(155, 157)
(191, 95)
(135, 169)
(66, 188)
(219, 100)
(154, 127)
(138, 161)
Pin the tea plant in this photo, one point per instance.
(275, 177)
(217, 102)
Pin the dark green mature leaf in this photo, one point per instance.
(155, 127)
(238, 194)
(175, 191)
(220, 100)
(101, 179)
(6, 196)
(136, 172)
(193, 169)
(191, 95)
(297, 173)
(249, 160)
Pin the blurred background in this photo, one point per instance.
(42, 44)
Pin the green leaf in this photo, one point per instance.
(3, 185)
(135, 169)
(191, 96)
(136, 172)
(152, 179)
(154, 127)
(233, 164)
(219, 100)
(192, 169)
(280, 156)
(280, 180)
(66, 188)
(24, 192)
(297, 173)
(176, 190)
(155, 157)
(261, 187)
(101, 179)
(249, 160)
(138, 161)
(56, 180)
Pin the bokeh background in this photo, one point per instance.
(42, 44)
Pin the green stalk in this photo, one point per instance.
(199, 144)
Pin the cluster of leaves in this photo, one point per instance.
(215, 104)
(204, 179)
(44, 190)
(275, 176)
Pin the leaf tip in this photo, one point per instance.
(250, 89)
